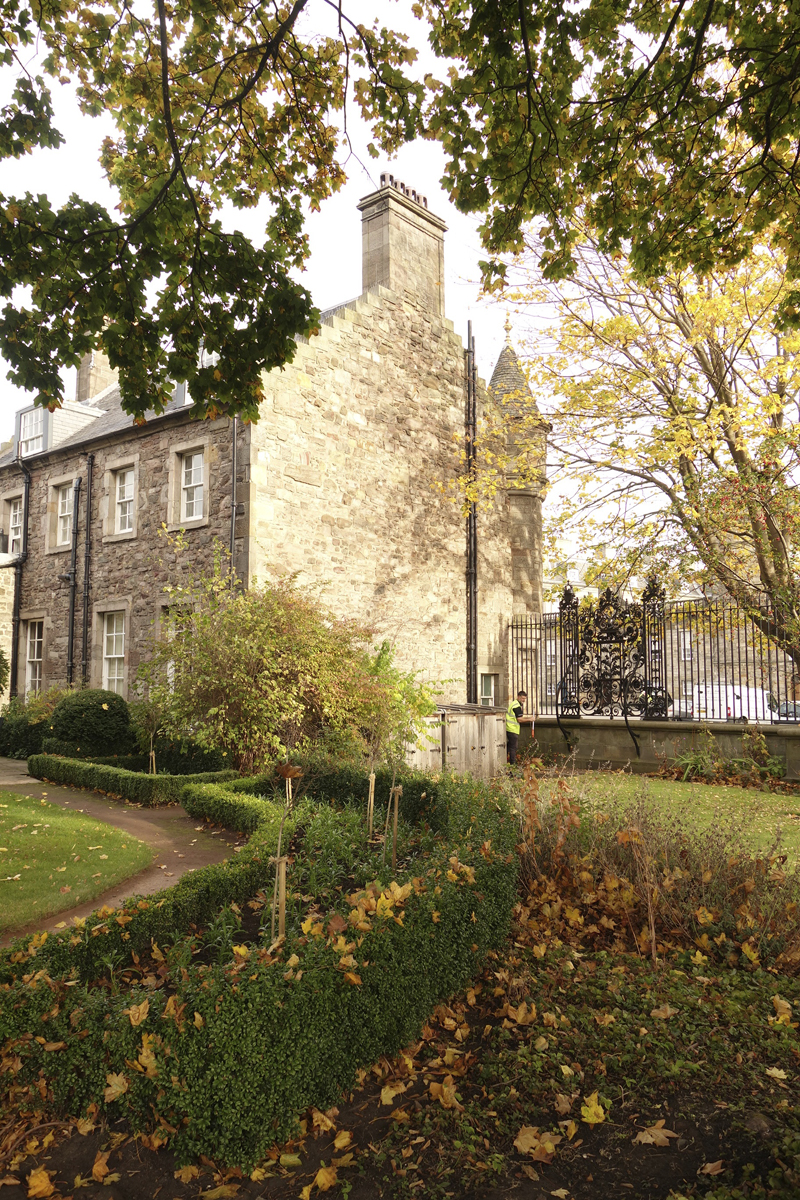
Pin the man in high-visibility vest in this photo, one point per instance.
(513, 713)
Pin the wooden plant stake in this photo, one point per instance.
(281, 865)
(398, 791)
(371, 803)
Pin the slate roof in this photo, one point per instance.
(508, 381)
(112, 419)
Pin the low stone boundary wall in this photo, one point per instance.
(599, 742)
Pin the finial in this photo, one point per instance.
(508, 329)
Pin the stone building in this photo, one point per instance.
(344, 480)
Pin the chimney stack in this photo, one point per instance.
(402, 244)
(94, 375)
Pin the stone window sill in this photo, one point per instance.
(174, 526)
(118, 537)
(65, 549)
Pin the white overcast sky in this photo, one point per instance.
(334, 269)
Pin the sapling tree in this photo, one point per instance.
(262, 672)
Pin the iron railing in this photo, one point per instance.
(690, 660)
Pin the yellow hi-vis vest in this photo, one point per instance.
(512, 724)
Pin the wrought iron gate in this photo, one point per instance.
(693, 660)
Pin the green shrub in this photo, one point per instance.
(128, 762)
(291, 1032)
(26, 722)
(95, 721)
(187, 758)
(139, 788)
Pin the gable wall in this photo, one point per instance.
(352, 441)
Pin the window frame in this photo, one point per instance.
(64, 490)
(120, 659)
(108, 511)
(119, 474)
(176, 514)
(30, 625)
(39, 432)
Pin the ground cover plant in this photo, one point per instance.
(572, 1065)
(149, 1010)
(51, 859)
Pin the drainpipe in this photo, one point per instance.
(73, 580)
(470, 430)
(233, 498)
(87, 569)
(18, 565)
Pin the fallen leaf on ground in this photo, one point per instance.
(562, 1104)
(391, 1090)
(776, 1073)
(39, 1183)
(343, 1138)
(84, 1126)
(529, 1171)
(320, 1121)
(221, 1193)
(138, 1012)
(540, 1146)
(715, 1168)
(783, 1010)
(290, 1160)
(445, 1093)
(592, 1111)
(664, 1012)
(655, 1135)
(187, 1174)
(325, 1178)
(117, 1086)
(100, 1167)
(562, 1193)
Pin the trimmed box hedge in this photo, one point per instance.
(228, 1056)
(148, 790)
(128, 762)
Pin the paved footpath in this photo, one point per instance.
(179, 844)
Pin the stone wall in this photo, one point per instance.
(355, 442)
(128, 572)
(6, 608)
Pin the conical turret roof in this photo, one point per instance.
(508, 382)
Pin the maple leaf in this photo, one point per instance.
(783, 1010)
(342, 1139)
(84, 1126)
(100, 1166)
(198, 1021)
(321, 1121)
(592, 1111)
(39, 1183)
(541, 1043)
(290, 1160)
(390, 1090)
(351, 977)
(138, 1012)
(715, 1168)
(604, 1019)
(562, 1104)
(664, 1012)
(655, 1135)
(325, 1178)
(337, 924)
(776, 1073)
(223, 1192)
(187, 1174)
(527, 1139)
(117, 1086)
(445, 1093)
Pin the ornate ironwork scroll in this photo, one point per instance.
(612, 657)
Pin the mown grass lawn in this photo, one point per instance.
(699, 804)
(51, 859)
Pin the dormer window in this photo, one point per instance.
(31, 432)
